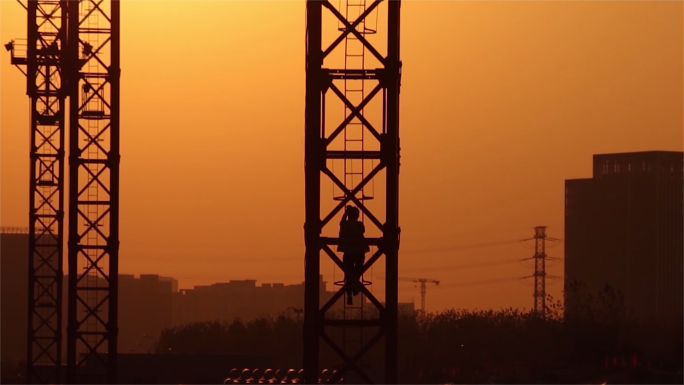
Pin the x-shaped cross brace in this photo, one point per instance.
(351, 195)
(351, 28)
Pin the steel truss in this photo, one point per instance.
(540, 270)
(43, 57)
(319, 80)
(93, 191)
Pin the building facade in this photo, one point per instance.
(14, 253)
(145, 309)
(623, 228)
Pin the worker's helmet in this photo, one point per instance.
(353, 212)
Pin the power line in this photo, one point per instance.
(466, 265)
(476, 283)
(402, 252)
(460, 247)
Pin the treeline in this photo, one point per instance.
(469, 346)
(280, 338)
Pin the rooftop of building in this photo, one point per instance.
(249, 284)
(631, 163)
(625, 164)
(14, 230)
(652, 152)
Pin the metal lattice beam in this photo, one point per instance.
(46, 90)
(93, 192)
(318, 81)
(540, 270)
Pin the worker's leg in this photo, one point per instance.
(349, 273)
(359, 259)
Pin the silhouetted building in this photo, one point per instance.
(14, 255)
(147, 304)
(243, 299)
(145, 309)
(623, 228)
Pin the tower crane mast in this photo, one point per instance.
(423, 287)
(423, 283)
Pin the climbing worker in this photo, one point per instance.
(354, 247)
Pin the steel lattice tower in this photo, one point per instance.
(319, 80)
(93, 191)
(540, 270)
(43, 58)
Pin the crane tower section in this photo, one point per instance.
(93, 191)
(42, 56)
(351, 70)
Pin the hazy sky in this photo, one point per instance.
(500, 103)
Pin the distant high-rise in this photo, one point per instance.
(623, 228)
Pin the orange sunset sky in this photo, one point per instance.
(500, 103)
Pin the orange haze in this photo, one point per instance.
(500, 103)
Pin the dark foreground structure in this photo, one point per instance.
(70, 57)
(623, 228)
(181, 368)
(14, 296)
(360, 334)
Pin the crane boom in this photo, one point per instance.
(422, 280)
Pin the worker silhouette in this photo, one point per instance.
(354, 248)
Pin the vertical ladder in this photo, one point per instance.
(354, 172)
(354, 91)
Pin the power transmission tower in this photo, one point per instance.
(94, 73)
(540, 276)
(43, 54)
(318, 150)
